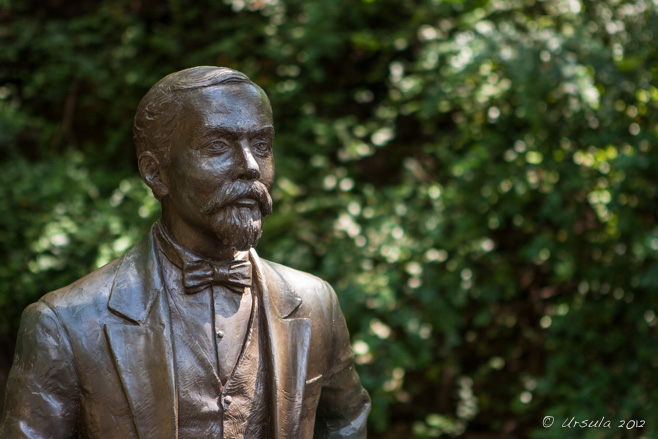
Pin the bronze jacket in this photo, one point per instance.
(94, 359)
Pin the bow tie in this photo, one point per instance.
(234, 275)
(199, 274)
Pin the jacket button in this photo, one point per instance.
(228, 400)
(220, 333)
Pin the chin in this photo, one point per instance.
(238, 227)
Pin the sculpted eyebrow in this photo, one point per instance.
(263, 133)
(267, 132)
(217, 132)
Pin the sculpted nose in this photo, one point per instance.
(247, 167)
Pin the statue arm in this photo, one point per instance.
(344, 403)
(42, 392)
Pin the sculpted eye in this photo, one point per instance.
(261, 146)
(216, 146)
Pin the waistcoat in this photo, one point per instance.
(206, 409)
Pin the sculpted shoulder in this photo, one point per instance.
(301, 280)
(91, 289)
(291, 282)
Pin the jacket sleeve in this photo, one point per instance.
(344, 403)
(42, 392)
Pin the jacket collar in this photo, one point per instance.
(285, 300)
(137, 283)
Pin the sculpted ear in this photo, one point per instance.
(151, 171)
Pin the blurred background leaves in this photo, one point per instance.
(476, 178)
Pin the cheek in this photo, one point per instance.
(193, 182)
(267, 173)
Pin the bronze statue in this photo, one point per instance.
(190, 334)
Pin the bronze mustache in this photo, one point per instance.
(232, 191)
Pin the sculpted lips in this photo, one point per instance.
(244, 201)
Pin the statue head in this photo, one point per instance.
(204, 146)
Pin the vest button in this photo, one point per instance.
(228, 400)
(220, 333)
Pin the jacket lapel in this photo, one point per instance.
(141, 347)
(289, 340)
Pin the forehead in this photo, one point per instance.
(235, 106)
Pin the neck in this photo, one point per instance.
(206, 245)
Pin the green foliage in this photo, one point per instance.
(476, 178)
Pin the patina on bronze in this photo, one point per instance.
(190, 334)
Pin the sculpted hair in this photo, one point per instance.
(156, 115)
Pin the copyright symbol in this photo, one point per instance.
(547, 422)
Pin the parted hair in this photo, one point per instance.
(156, 115)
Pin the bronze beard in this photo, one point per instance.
(239, 226)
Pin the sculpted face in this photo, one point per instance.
(220, 168)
